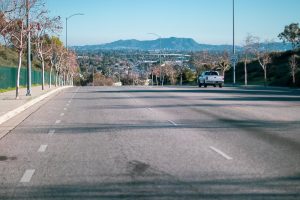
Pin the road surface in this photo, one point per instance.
(155, 143)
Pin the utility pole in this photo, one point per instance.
(234, 60)
(28, 49)
(67, 33)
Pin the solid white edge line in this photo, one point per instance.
(27, 176)
(221, 153)
(20, 109)
(172, 122)
(43, 148)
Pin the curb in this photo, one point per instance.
(22, 108)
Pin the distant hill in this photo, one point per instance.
(169, 44)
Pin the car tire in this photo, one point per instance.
(221, 85)
(215, 85)
(200, 85)
(205, 85)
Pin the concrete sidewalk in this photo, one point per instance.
(10, 106)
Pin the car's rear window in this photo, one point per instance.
(211, 73)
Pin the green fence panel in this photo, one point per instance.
(8, 77)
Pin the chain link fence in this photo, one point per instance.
(8, 77)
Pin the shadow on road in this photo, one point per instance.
(192, 90)
(151, 184)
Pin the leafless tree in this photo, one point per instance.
(52, 58)
(15, 33)
(45, 26)
(249, 49)
(224, 62)
(264, 57)
(15, 28)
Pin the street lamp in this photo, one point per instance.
(28, 49)
(234, 59)
(67, 18)
(159, 37)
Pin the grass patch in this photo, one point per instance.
(2, 90)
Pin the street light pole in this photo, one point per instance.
(67, 18)
(28, 50)
(233, 46)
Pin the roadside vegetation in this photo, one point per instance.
(48, 52)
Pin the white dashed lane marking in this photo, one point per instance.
(62, 114)
(172, 122)
(221, 153)
(57, 122)
(42, 148)
(27, 176)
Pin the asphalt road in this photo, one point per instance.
(156, 143)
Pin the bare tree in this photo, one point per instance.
(249, 49)
(59, 61)
(15, 28)
(44, 26)
(7, 7)
(224, 62)
(203, 61)
(264, 57)
(15, 34)
(52, 57)
(293, 67)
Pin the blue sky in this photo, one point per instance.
(206, 21)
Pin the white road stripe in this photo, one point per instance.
(43, 148)
(27, 176)
(51, 132)
(57, 121)
(62, 114)
(150, 109)
(65, 108)
(221, 153)
(172, 122)
(68, 104)
(69, 101)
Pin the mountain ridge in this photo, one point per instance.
(169, 44)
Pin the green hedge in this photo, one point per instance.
(8, 77)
